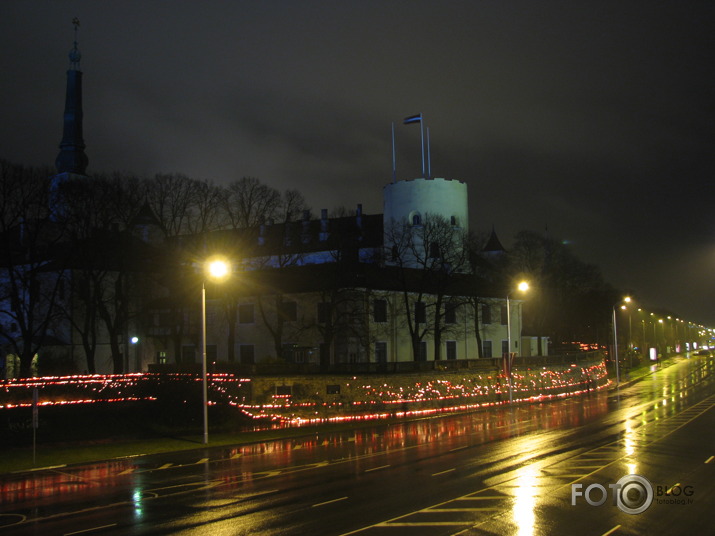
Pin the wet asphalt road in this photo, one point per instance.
(501, 470)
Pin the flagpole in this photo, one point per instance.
(394, 168)
(415, 119)
(429, 158)
(422, 142)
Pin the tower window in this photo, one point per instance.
(416, 219)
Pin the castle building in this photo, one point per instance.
(366, 290)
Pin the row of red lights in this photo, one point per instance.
(430, 392)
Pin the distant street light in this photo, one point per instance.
(521, 287)
(216, 270)
(627, 299)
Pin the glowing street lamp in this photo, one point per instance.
(521, 287)
(216, 270)
(622, 305)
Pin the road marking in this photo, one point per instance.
(128, 471)
(425, 524)
(443, 472)
(165, 466)
(90, 530)
(484, 498)
(202, 460)
(376, 468)
(237, 455)
(711, 458)
(298, 447)
(329, 502)
(458, 448)
(450, 510)
(614, 529)
(41, 468)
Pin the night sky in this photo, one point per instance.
(594, 119)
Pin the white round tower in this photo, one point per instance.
(412, 200)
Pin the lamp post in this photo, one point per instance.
(627, 299)
(135, 342)
(522, 287)
(215, 269)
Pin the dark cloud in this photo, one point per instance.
(592, 118)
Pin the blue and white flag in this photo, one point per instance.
(412, 119)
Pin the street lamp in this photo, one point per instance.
(215, 269)
(135, 342)
(627, 299)
(521, 287)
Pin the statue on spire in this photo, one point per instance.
(75, 55)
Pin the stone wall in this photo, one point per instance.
(335, 397)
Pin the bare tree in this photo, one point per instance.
(248, 203)
(293, 205)
(567, 294)
(427, 256)
(29, 285)
(184, 205)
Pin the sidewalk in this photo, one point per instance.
(628, 378)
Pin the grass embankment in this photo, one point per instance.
(70, 435)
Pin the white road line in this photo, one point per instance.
(711, 458)
(443, 472)
(377, 468)
(41, 468)
(425, 524)
(90, 530)
(614, 529)
(451, 510)
(329, 502)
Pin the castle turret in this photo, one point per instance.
(412, 200)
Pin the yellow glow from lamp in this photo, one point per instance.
(217, 269)
(523, 286)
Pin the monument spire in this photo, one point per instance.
(72, 158)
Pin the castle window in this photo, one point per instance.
(246, 314)
(289, 311)
(323, 312)
(486, 314)
(420, 312)
(434, 250)
(380, 311)
(453, 221)
(450, 313)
